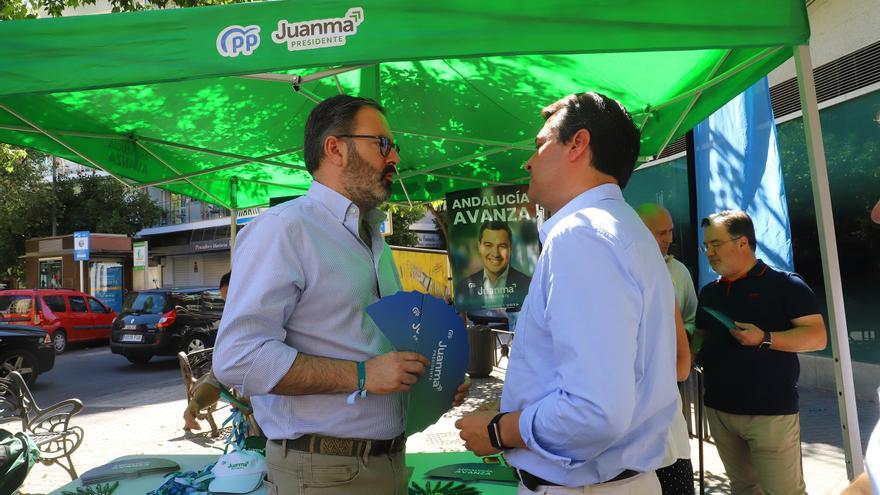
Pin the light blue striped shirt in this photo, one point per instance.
(592, 367)
(301, 280)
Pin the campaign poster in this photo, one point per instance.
(493, 246)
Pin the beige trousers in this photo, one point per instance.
(643, 484)
(761, 454)
(291, 472)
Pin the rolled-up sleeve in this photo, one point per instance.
(593, 309)
(250, 353)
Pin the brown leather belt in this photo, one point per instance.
(352, 447)
(532, 482)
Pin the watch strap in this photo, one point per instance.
(494, 428)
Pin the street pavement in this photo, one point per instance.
(144, 417)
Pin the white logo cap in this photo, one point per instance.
(238, 472)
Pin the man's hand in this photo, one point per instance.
(394, 372)
(462, 392)
(747, 334)
(475, 433)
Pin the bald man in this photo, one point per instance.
(659, 222)
(677, 472)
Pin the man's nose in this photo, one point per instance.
(393, 159)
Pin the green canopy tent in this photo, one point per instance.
(211, 102)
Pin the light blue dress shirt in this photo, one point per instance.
(302, 278)
(593, 365)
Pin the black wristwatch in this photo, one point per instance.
(765, 344)
(495, 432)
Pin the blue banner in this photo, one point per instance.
(107, 284)
(738, 168)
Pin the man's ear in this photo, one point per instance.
(334, 151)
(579, 145)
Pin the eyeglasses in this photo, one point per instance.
(385, 143)
(714, 245)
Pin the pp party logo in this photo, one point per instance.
(235, 40)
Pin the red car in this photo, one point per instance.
(68, 315)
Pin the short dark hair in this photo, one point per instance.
(224, 280)
(738, 224)
(614, 138)
(495, 225)
(334, 115)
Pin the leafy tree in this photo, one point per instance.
(24, 9)
(401, 218)
(85, 201)
(27, 197)
(99, 203)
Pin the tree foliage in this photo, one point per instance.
(99, 203)
(26, 202)
(25, 9)
(85, 201)
(401, 218)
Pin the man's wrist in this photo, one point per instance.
(494, 431)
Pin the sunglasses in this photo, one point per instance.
(385, 143)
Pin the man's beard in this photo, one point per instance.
(365, 189)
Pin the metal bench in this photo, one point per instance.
(49, 427)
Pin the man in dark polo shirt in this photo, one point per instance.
(751, 371)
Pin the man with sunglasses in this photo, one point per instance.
(326, 386)
(751, 370)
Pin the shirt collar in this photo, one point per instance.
(502, 277)
(340, 206)
(756, 271)
(583, 200)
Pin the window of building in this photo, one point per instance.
(51, 274)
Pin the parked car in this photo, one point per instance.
(163, 322)
(68, 315)
(25, 349)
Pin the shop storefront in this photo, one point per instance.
(50, 265)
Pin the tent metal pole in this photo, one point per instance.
(217, 169)
(169, 167)
(224, 154)
(57, 132)
(70, 148)
(524, 145)
(233, 215)
(691, 104)
(473, 179)
(273, 184)
(428, 170)
(727, 75)
(290, 78)
(846, 399)
(306, 93)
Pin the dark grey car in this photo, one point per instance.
(163, 322)
(25, 349)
